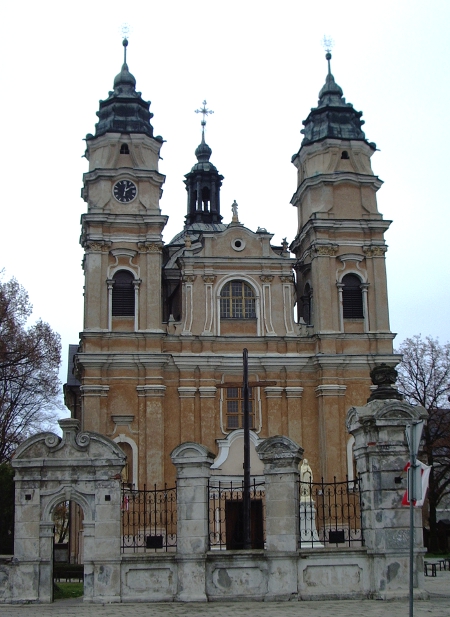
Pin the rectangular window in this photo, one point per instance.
(235, 408)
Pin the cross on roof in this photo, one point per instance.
(206, 112)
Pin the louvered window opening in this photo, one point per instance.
(123, 295)
(235, 408)
(352, 300)
(237, 301)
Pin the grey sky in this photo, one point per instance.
(260, 66)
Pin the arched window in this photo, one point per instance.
(205, 198)
(124, 149)
(352, 300)
(123, 294)
(237, 301)
(307, 304)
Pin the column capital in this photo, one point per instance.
(156, 390)
(330, 390)
(187, 391)
(207, 391)
(273, 391)
(94, 390)
(294, 391)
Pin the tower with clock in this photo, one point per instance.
(165, 322)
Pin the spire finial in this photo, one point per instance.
(125, 34)
(328, 44)
(203, 110)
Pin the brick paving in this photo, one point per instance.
(437, 606)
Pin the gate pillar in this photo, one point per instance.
(193, 462)
(381, 453)
(281, 457)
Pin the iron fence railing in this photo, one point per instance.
(226, 508)
(149, 520)
(330, 514)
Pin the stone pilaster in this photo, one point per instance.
(330, 426)
(154, 423)
(187, 411)
(193, 462)
(273, 396)
(294, 411)
(381, 454)
(207, 413)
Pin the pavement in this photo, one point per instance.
(437, 606)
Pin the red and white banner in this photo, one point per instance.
(425, 476)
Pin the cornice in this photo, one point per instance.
(341, 227)
(103, 173)
(338, 177)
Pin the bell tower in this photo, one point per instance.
(203, 183)
(121, 231)
(340, 247)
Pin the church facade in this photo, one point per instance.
(165, 323)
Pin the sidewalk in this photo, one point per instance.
(437, 606)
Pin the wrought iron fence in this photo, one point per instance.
(149, 520)
(330, 514)
(226, 509)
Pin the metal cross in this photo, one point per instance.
(126, 29)
(206, 112)
(328, 44)
(245, 385)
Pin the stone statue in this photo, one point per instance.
(187, 241)
(234, 210)
(306, 477)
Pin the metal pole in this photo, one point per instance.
(246, 496)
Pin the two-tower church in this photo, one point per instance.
(165, 323)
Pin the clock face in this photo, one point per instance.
(124, 191)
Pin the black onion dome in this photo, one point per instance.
(124, 111)
(333, 117)
(203, 154)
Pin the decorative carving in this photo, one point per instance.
(52, 440)
(286, 279)
(187, 241)
(189, 278)
(82, 439)
(266, 278)
(98, 246)
(384, 377)
(149, 247)
(374, 250)
(326, 250)
(209, 278)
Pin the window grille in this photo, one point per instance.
(123, 294)
(352, 300)
(237, 301)
(235, 408)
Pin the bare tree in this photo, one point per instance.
(61, 520)
(29, 363)
(424, 379)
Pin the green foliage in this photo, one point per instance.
(6, 509)
(62, 591)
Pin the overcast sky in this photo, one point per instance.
(260, 66)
